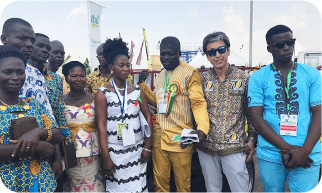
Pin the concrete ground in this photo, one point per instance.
(197, 180)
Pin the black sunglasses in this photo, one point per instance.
(213, 52)
(280, 45)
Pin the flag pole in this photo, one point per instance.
(89, 32)
(146, 49)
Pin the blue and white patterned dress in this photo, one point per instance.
(130, 173)
(33, 175)
(35, 87)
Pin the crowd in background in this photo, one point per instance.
(93, 132)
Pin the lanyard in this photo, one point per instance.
(166, 81)
(287, 87)
(122, 105)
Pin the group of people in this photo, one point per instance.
(108, 120)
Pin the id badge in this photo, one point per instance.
(120, 127)
(128, 137)
(163, 107)
(288, 125)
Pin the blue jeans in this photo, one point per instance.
(274, 175)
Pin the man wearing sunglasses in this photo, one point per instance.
(285, 108)
(227, 148)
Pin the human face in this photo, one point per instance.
(101, 58)
(56, 55)
(121, 67)
(219, 61)
(41, 49)
(12, 75)
(281, 55)
(21, 37)
(76, 79)
(170, 57)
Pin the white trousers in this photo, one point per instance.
(232, 165)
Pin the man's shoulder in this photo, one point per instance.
(94, 74)
(187, 66)
(242, 73)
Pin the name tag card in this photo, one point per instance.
(120, 127)
(128, 137)
(163, 107)
(288, 125)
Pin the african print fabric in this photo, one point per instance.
(130, 173)
(95, 80)
(34, 175)
(266, 89)
(54, 84)
(87, 175)
(227, 109)
(35, 87)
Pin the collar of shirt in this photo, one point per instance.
(229, 71)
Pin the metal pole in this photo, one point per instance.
(251, 34)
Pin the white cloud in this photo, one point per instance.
(80, 10)
(193, 13)
(236, 29)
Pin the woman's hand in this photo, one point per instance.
(109, 167)
(26, 144)
(145, 155)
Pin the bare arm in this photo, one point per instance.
(148, 140)
(26, 144)
(300, 156)
(265, 130)
(101, 115)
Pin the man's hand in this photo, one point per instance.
(250, 152)
(200, 134)
(143, 75)
(300, 158)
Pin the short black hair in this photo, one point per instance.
(278, 29)
(12, 21)
(114, 48)
(99, 47)
(171, 42)
(7, 51)
(215, 36)
(70, 65)
(41, 35)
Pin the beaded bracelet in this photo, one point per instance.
(146, 149)
(50, 135)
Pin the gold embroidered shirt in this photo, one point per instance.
(189, 104)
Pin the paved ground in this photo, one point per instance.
(197, 180)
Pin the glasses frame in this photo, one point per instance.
(281, 45)
(216, 50)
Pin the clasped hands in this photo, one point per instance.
(296, 156)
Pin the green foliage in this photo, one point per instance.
(66, 59)
(86, 64)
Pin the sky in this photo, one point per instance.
(189, 21)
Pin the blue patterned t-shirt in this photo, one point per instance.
(266, 89)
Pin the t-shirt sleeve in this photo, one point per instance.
(255, 92)
(315, 88)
